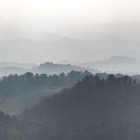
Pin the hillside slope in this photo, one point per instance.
(93, 109)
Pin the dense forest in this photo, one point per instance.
(8, 130)
(18, 92)
(15, 84)
(94, 108)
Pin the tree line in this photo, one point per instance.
(13, 85)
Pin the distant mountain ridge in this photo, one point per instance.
(7, 68)
(17, 64)
(116, 64)
(84, 43)
(122, 58)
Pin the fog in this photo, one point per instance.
(37, 31)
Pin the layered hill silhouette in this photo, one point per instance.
(7, 68)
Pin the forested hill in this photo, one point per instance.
(14, 85)
(51, 68)
(18, 92)
(8, 129)
(94, 109)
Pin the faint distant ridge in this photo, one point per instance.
(7, 68)
(123, 59)
(51, 68)
(114, 64)
(17, 64)
(118, 60)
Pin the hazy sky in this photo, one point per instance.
(59, 16)
(72, 10)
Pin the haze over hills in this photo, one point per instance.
(16, 64)
(22, 27)
(51, 68)
(7, 68)
(117, 29)
(92, 49)
(5, 71)
(89, 42)
(116, 64)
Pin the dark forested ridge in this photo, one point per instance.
(8, 129)
(15, 84)
(95, 108)
(18, 92)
